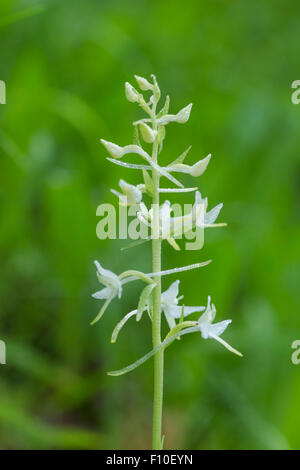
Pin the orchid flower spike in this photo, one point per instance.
(170, 307)
(209, 329)
(131, 194)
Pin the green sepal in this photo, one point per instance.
(150, 307)
(143, 300)
(102, 310)
(180, 326)
(182, 315)
(136, 136)
(181, 157)
(165, 108)
(161, 133)
(148, 182)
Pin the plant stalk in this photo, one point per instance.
(156, 323)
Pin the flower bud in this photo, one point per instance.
(148, 134)
(131, 93)
(198, 168)
(113, 149)
(143, 83)
(184, 114)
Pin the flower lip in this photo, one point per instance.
(169, 297)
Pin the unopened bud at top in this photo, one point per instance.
(143, 83)
(131, 94)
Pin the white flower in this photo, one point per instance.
(143, 83)
(209, 329)
(113, 286)
(170, 307)
(181, 117)
(148, 134)
(169, 226)
(195, 170)
(131, 94)
(176, 227)
(131, 194)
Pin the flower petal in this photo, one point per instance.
(212, 215)
(209, 314)
(170, 320)
(176, 310)
(103, 293)
(107, 276)
(170, 295)
(218, 328)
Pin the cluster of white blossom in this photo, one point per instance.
(170, 227)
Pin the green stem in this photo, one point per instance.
(156, 323)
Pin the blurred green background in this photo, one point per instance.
(65, 64)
